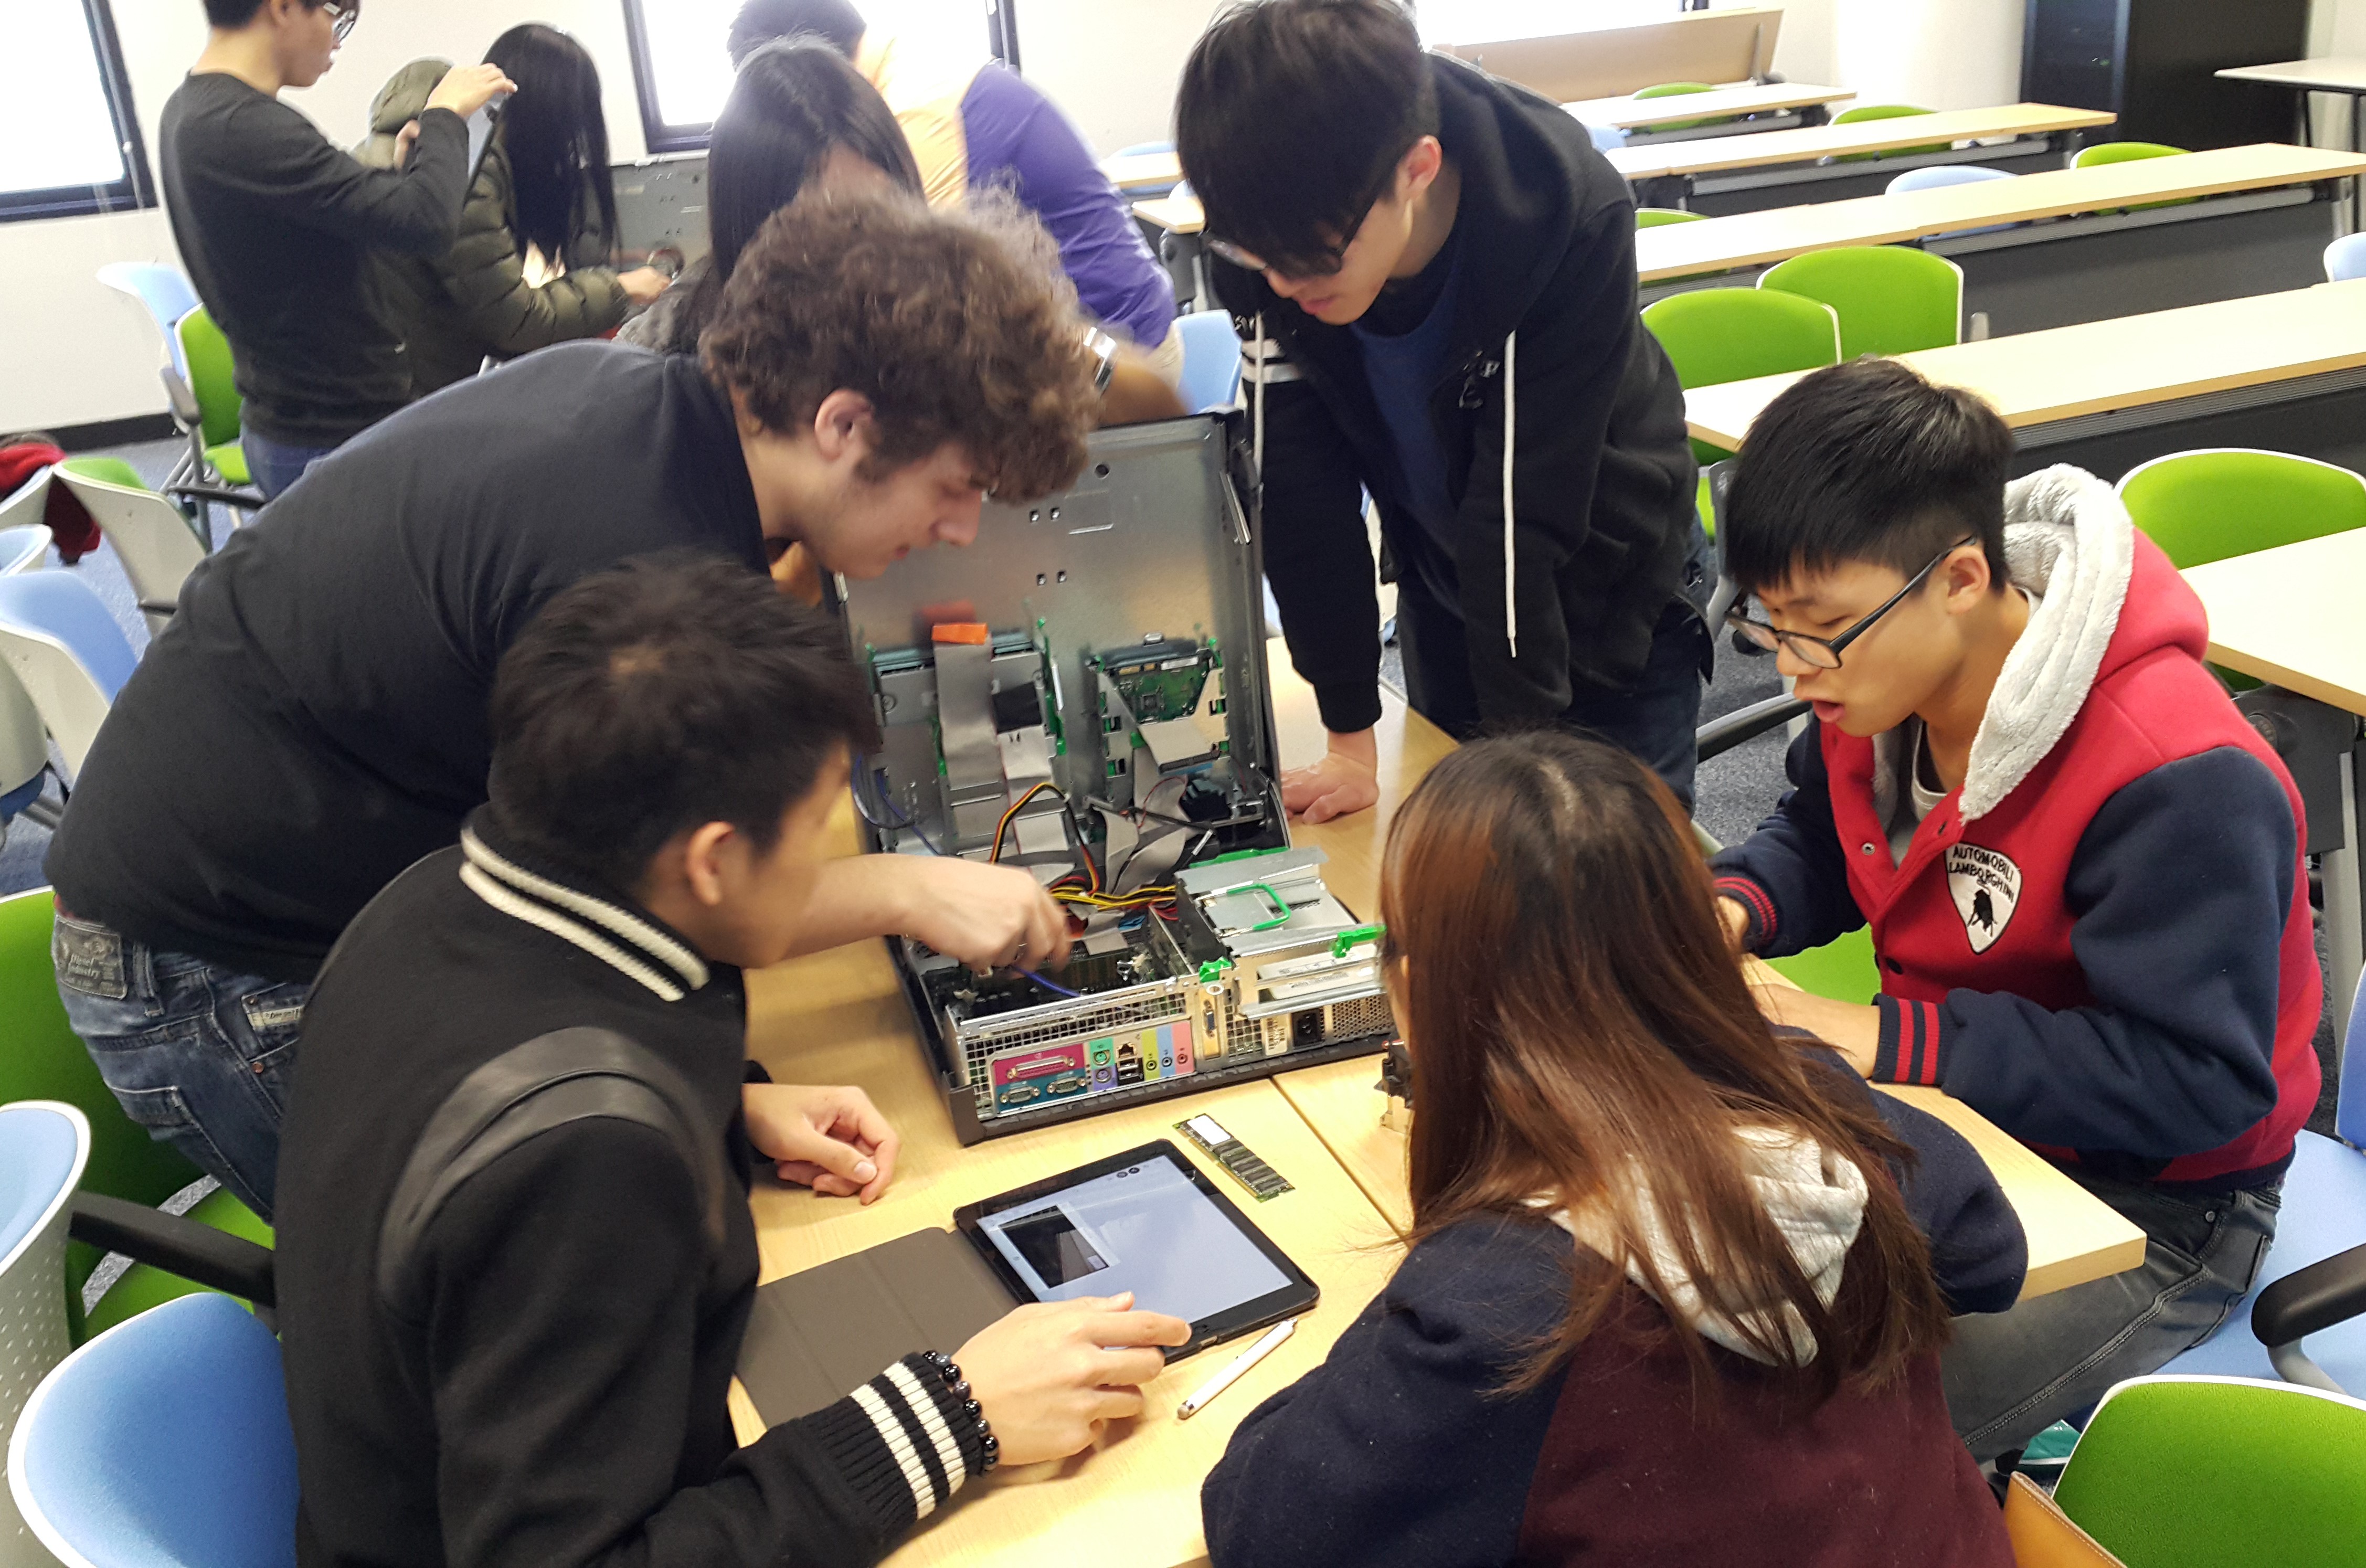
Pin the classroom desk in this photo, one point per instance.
(1782, 168)
(1771, 106)
(2285, 371)
(2289, 616)
(1730, 44)
(1143, 171)
(2077, 254)
(2344, 74)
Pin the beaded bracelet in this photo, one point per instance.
(958, 1386)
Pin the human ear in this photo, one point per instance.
(1418, 167)
(1968, 578)
(705, 860)
(842, 425)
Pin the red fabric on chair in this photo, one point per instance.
(71, 527)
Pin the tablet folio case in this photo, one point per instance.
(816, 1337)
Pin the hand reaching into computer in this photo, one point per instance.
(1049, 1376)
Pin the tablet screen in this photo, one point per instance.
(1146, 1226)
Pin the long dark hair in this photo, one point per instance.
(1580, 1031)
(556, 135)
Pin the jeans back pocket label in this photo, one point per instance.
(90, 959)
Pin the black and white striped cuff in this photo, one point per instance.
(903, 1441)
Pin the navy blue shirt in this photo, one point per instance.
(1405, 340)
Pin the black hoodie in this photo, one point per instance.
(1589, 440)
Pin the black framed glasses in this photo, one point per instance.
(1824, 653)
(342, 15)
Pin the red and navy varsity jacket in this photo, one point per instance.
(2104, 947)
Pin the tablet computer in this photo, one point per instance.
(480, 131)
(1146, 1221)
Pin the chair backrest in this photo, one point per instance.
(1653, 217)
(1876, 111)
(1606, 137)
(2206, 1472)
(42, 1058)
(63, 645)
(43, 1145)
(2121, 153)
(1211, 360)
(23, 548)
(162, 292)
(162, 1442)
(1669, 89)
(1936, 175)
(2346, 258)
(153, 540)
(25, 506)
(1730, 335)
(206, 355)
(1890, 299)
(2206, 505)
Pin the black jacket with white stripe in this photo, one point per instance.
(551, 1392)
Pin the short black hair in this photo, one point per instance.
(676, 690)
(232, 15)
(1864, 461)
(1292, 116)
(761, 21)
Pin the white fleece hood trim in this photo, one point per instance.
(2069, 541)
(1511, 547)
(1816, 1199)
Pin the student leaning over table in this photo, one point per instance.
(1678, 1278)
(2082, 868)
(512, 1343)
(312, 720)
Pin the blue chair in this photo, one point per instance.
(63, 645)
(163, 1443)
(2346, 258)
(163, 291)
(1211, 361)
(1144, 150)
(44, 1145)
(1606, 137)
(1938, 175)
(2324, 1214)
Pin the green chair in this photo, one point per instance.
(2221, 1472)
(1730, 335)
(2102, 152)
(1843, 969)
(1890, 299)
(1863, 112)
(1676, 89)
(213, 425)
(1653, 217)
(42, 1058)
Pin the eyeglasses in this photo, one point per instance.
(1824, 653)
(1320, 263)
(342, 15)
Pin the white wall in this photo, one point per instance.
(1941, 54)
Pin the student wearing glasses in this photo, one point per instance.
(2081, 865)
(277, 224)
(1436, 273)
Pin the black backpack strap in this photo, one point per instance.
(552, 1080)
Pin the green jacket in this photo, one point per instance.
(473, 300)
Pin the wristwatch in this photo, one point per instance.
(1104, 349)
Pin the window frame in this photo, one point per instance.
(662, 137)
(137, 189)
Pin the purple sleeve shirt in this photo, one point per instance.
(1018, 137)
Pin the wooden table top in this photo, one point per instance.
(1631, 113)
(1177, 214)
(2332, 74)
(1810, 143)
(2289, 616)
(1753, 239)
(1143, 169)
(2127, 362)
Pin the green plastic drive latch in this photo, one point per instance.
(1213, 970)
(1355, 937)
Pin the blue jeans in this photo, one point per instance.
(275, 466)
(2011, 1375)
(199, 1056)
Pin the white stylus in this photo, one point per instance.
(1249, 1358)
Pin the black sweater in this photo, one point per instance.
(1399, 1451)
(314, 718)
(557, 1396)
(277, 226)
(1603, 470)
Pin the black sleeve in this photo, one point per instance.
(1791, 872)
(1978, 1251)
(561, 1383)
(1317, 553)
(2179, 894)
(274, 155)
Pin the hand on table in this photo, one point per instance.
(1049, 1376)
(1347, 779)
(830, 1139)
(1853, 1029)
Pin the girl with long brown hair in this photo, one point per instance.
(1677, 1283)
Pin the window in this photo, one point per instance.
(1473, 21)
(684, 74)
(69, 143)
